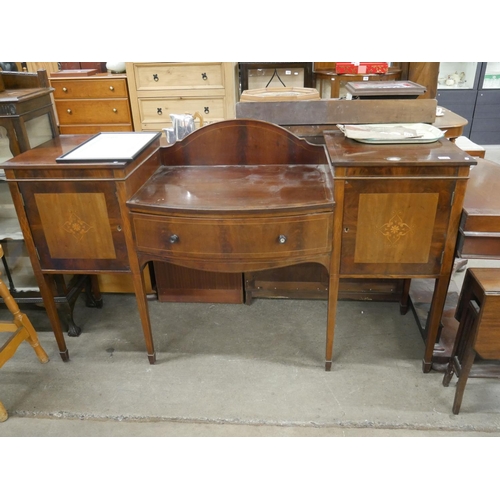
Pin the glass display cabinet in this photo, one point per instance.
(472, 90)
(258, 75)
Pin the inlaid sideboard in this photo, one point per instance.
(244, 195)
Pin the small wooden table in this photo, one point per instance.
(451, 123)
(479, 234)
(478, 312)
(478, 238)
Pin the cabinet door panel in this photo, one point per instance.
(76, 228)
(395, 228)
(486, 123)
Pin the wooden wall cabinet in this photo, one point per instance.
(160, 89)
(91, 104)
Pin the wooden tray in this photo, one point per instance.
(73, 72)
(385, 89)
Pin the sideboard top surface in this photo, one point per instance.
(41, 162)
(235, 188)
(350, 153)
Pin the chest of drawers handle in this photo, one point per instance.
(69, 111)
(174, 239)
(65, 89)
(204, 76)
(115, 110)
(159, 111)
(111, 88)
(155, 78)
(206, 110)
(281, 239)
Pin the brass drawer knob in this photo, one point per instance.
(111, 88)
(281, 239)
(69, 111)
(174, 239)
(115, 110)
(64, 89)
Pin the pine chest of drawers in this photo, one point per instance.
(160, 89)
(88, 105)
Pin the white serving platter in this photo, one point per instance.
(392, 133)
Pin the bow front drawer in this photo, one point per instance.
(256, 238)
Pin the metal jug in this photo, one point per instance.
(183, 125)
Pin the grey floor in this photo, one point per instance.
(237, 370)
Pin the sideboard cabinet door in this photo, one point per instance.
(395, 228)
(78, 229)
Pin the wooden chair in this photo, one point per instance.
(477, 342)
(21, 329)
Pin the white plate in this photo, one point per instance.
(393, 133)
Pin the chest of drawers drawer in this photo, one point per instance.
(241, 238)
(155, 113)
(98, 111)
(90, 89)
(179, 76)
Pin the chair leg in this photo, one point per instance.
(3, 413)
(462, 379)
(33, 339)
(22, 321)
(449, 373)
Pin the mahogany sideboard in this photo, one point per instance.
(244, 195)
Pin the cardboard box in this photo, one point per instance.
(361, 68)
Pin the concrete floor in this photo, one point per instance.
(237, 370)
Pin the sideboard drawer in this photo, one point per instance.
(179, 76)
(157, 111)
(257, 238)
(89, 89)
(93, 111)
